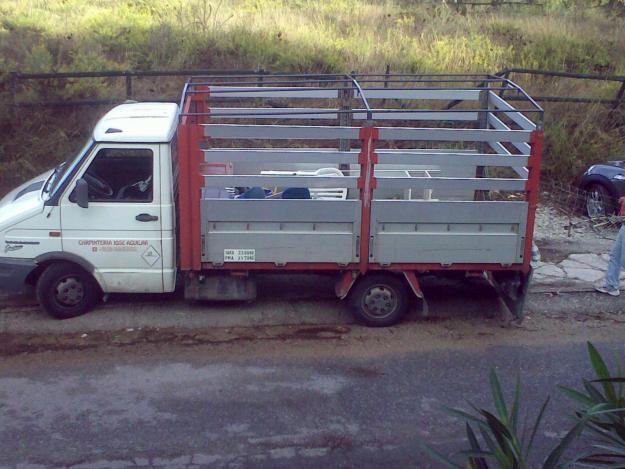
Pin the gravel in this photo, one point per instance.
(553, 224)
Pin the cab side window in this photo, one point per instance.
(121, 175)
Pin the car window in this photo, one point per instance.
(121, 174)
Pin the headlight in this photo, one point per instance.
(619, 177)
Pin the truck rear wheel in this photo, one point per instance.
(379, 300)
(66, 291)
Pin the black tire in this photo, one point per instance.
(65, 291)
(379, 300)
(599, 201)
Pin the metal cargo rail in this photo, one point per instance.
(400, 172)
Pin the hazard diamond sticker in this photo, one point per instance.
(151, 256)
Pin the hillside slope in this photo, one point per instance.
(304, 35)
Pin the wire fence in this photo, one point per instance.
(22, 84)
(619, 98)
(492, 3)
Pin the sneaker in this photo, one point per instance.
(602, 289)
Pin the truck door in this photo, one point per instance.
(119, 232)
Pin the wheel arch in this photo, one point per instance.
(45, 260)
(347, 280)
(599, 179)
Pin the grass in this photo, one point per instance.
(45, 35)
(299, 35)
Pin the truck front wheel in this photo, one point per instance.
(379, 300)
(66, 291)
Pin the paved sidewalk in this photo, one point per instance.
(578, 272)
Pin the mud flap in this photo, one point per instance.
(512, 288)
(412, 280)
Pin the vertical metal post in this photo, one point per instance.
(537, 139)
(196, 156)
(482, 147)
(387, 75)
(190, 158)
(482, 117)
(196, 179)
(366, 184)
(184, 192)
(128, 86)
(345, 117)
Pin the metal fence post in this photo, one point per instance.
(505, 75)
(619, 96)
(128, 86)
(14, 80)
(259, 73)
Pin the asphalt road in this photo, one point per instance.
(288, 381)
(357, 400)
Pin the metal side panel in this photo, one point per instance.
(498, 124)
(488, 184)
(429, 94)
(280, 181)
(273, 113)
(446, 248)
(287, 156)
(514, 115)
(281, 132)
(418, 211)
(280, 231)
(280, 210)
(404, 114)
(272, 92)
(448, 232)
(450, 159)
(452, 135)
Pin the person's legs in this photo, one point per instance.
(611, 281)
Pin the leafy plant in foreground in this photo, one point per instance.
(608, 426)
(500, 442)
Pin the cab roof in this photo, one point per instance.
(138, 122)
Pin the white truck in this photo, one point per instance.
(373, 179)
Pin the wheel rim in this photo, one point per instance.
(379, 301)
(69, 291)
(595, 205)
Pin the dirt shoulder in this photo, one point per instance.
(551, 319)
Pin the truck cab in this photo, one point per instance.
(100, 222)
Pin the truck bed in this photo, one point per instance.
(438, 175)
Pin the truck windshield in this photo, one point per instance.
(63, 169)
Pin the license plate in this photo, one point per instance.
(239, 255)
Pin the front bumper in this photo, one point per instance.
(13, 273)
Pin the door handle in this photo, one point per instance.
(146, 217)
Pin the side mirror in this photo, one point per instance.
(80, 194)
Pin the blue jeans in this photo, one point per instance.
(611, 281)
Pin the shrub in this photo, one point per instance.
(499, 438)
(607, 427)
(495, 438)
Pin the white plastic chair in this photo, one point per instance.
(330, 193)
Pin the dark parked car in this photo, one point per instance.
(602, 185)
